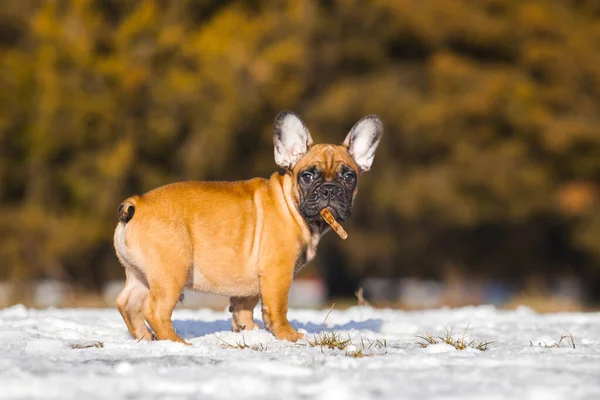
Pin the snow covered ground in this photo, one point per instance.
(37, 359)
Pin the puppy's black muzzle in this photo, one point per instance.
(331, 191)
(328, 195)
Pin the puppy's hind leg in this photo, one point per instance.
(165, 289)
(131, 301)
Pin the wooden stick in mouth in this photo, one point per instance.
(333, 223)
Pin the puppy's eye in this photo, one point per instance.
(349, 177)
(307, 177)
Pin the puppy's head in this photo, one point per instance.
(324, 175)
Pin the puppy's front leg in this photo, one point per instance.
(242, 310)
(275, 285)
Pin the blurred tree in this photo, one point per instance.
(491, 158)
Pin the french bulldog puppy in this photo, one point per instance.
(243, 239)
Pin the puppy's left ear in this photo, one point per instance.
(363, 139)
(291, 139)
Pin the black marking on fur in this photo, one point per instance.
(126, 212)
(313, 200)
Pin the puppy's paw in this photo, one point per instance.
(288, 333)
(252, 327)
(248, 327)
(181, 341)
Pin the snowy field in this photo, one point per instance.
(523, 362)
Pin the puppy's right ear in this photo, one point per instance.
(363, 139)
(291, 139)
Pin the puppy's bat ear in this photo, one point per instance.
(363, 139)
(291, 139)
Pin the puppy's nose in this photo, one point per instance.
(329, 190)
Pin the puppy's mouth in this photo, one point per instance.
(312, 212)
(333, 212)
(328, 196)
(333, 223)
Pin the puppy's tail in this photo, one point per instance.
(127, 209)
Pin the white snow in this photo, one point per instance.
(37, 359)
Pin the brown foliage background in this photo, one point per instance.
(490, 161)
